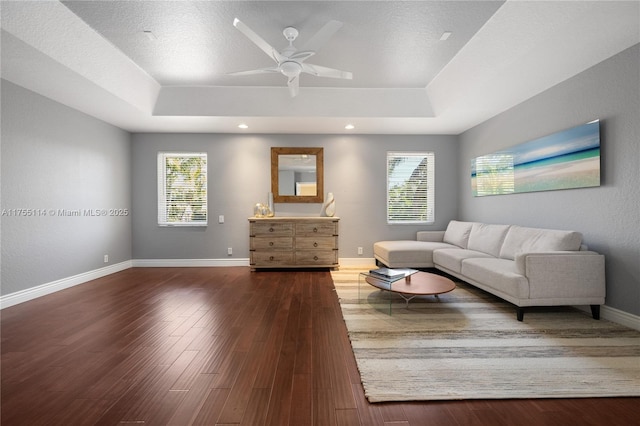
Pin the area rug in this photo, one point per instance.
(467, 344)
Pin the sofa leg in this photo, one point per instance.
(519, 313)
(595, 312)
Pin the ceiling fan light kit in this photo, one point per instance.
(290, 61)
(290, 68)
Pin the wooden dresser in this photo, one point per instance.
(293, 242)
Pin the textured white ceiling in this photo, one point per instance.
(94, 56)
(385, 44)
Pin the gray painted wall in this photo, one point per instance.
(608, 216)
(239, 177)
(55, 158)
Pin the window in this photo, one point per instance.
(182, 189)
(410, 187)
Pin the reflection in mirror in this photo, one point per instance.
(296, 175)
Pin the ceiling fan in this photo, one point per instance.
(291, 61)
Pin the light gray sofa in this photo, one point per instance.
(524, 266)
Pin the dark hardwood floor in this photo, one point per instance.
(220, 346)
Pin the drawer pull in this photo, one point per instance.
(315, 257)
(315, 244)
(315, 229)
(271, 243)
(270, 257)
(270, 229)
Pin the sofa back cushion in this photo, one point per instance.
(457, 233)
(487, 238)
(532, 240)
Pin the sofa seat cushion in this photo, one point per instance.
(487, 238)
(533, 240)
(498, 274)
(406, 254)
(452, 258)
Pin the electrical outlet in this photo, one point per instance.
(221, 218)
(106, 258)
(360, 251)
(229, 251)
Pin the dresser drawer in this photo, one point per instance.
(271, 258)
(316, 243)
(261, 229)
(325, 228)
(271, 243)
(329, 257)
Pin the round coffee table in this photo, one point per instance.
(417, 284)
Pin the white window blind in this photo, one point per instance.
(410, 187)
(182, 189)
(494, 174)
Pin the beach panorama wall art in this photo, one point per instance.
(563, 160)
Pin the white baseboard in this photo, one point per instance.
(186, 263)
(620, 317)
(615, 315)
(61, 284)
(354, 262)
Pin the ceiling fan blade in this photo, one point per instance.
(257, 40)
(256, 71)
(294, 85)
(320, 71)
(322, 36)
(302, 56)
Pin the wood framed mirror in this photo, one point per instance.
(297, 175)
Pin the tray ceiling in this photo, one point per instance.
(164, 65)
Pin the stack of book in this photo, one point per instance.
(391, 274)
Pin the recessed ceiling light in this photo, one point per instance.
(445, 35)
(243, 126)
(349, 127)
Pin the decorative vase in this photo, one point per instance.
(260, 210)
(271, 211)
(329, 206)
